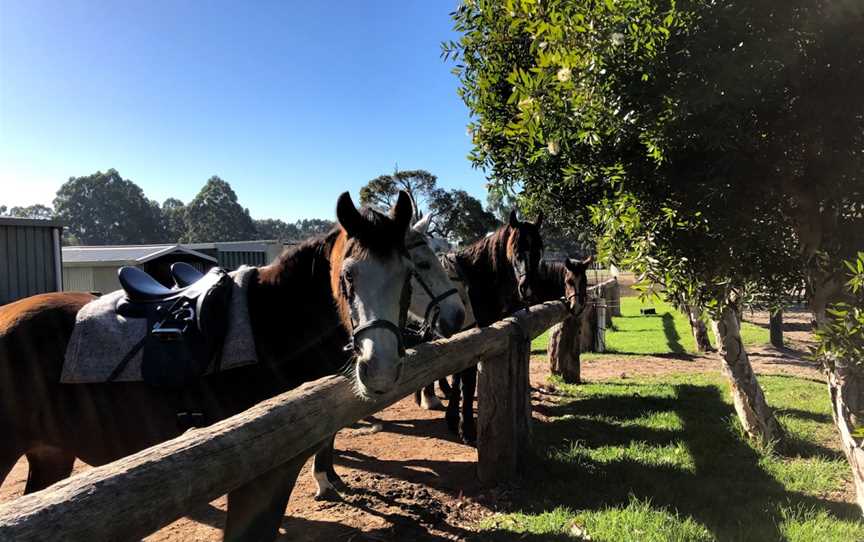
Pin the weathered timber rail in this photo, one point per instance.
(140, 493)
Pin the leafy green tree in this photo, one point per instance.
(714, 145)
(215, 215)
(32, 211)
(460, 217)
(841, 348)
(104, 208)
(174, 219)
(382, 191)
(270, 228)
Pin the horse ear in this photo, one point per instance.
(422, 225)
(539, 221)
(349, 217)
(587, 261)
(514, 222)
(402, 212)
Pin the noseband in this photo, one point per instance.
(433, 308)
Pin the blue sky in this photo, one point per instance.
(291, 102)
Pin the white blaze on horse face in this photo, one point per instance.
(377, 286)
(433, 274)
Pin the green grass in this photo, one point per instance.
(664, 333)
(665, 460)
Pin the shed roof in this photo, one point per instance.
(33, 222)
(124, 254)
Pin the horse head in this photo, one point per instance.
(576, 284)
(435, 299)
(370, 276)
(524, 251)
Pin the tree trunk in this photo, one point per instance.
(776, 328)
(846, 388)
(755, 414)
(699, 329)
(564, 350)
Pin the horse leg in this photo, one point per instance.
(47, 466)
(430, 401)
(255, 509)
(326, 479)
(452, 415)
(444, 384)
(467, 429)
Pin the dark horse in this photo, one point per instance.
(349, 284)
(567, 279)
(498, 274)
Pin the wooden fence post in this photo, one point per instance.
(504, 415)
(615, 299)
(564, 349)
(600, 338)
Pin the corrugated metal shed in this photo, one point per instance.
(30, 258)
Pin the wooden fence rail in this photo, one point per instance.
(138, 494)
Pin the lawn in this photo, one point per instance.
(664, 458)
(663, 333)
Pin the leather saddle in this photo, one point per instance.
(186, 324)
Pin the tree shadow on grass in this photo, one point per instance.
(673, 339)
(721, 485)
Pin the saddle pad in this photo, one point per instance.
(101, 338)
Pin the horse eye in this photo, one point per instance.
(425, 266)
(349, 275)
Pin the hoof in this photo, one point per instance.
(453, 424)
(329, 494)
(336, 482)
(431, 403)
(468, 434)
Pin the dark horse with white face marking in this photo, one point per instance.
(350, 283)
(498, 273)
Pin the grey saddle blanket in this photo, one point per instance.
(101, 338)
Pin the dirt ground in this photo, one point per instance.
(414, 481)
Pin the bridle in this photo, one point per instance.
(381, 323)
(433, 308)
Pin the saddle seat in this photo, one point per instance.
(184, 274)
(186, 325)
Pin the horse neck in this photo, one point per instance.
(490, 277)
(291, 305)
(550, 281)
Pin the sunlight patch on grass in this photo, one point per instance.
(664, 333)
(674, 454)
(807, 525)
(639, 520)
(814, 476)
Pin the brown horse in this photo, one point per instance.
(346, 285)
(567, 279)
(498, 275)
